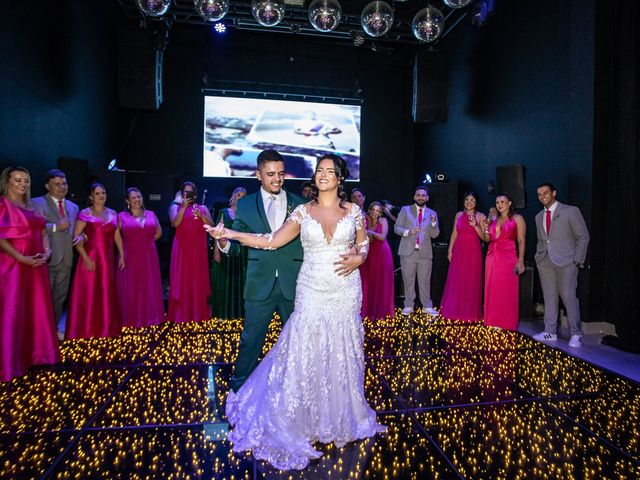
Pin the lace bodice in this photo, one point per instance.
(316, 241)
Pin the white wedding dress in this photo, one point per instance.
(310, 386)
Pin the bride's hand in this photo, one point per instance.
(218, 232)
(349, 262)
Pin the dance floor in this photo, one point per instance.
(460, 401)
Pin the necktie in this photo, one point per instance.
(60, 208)
(271, 212)
(419, 224)
(547, 220)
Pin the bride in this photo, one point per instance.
(310, 386)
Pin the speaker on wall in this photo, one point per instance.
(139, 70)
(113, 181)
(77, 172)
(443, 199)
(510, 180)
(430, 87)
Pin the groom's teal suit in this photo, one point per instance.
(270, 284)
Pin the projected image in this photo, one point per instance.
(236, 130)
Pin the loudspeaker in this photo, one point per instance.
(527, 282)
(77, 173)
(113, 181)
(443, 198)
(439, 271)
(510, 180)
(139, 70)
(430, 87)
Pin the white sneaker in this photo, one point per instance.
(576, 341)
(429, 311)
(545, 337)
(407, 311)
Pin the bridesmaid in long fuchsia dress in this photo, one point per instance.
(378, 298)
(139, 283)
(27, 323)
(93, 304)
(503, 265)
(462, 296)
(189, 286)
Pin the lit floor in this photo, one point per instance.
(460, 400)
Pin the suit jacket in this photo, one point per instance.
(407, 219)
(61, 242)
(263, 264)
(568, 239)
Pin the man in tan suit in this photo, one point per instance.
(417, 225)
(563, 239)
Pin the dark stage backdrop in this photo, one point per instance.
(521, 92)
(170, 140)
(616, 193)
(58, 92)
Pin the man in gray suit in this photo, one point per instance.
(417, 225)
(60, 214)
(562, 247)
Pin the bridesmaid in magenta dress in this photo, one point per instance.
(139, 283)
(503, 265)
(189, 286)
(93, 304)
(27, 325)
(377, 270)
(462, 296)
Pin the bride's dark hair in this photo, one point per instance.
(342, 172)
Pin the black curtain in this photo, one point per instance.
(615, 246)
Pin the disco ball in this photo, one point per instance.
(267, 12)
(325, 15)
(153, 8)
(427, 24)
(376, 18)
(211, 10)
(457, 3)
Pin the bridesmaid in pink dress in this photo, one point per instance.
(139, 284)
(503, 265)
(189, 287)
(93, 304)
(27, 325)
(377, 270)
(462, 297)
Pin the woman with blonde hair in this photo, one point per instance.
(27, 323)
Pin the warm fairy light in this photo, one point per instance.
(498, 404)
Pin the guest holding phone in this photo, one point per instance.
(189, 286)
(504, 264)
(462, 297)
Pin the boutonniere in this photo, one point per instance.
(289, 210)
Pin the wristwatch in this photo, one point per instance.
(579, 265)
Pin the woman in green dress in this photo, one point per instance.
(228, 272)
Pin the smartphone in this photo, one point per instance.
(190, 194)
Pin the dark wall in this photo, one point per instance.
(521, 92)
(58, 84)
(170, 140)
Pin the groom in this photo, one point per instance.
(271, 274)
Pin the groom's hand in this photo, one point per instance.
(349, 262)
